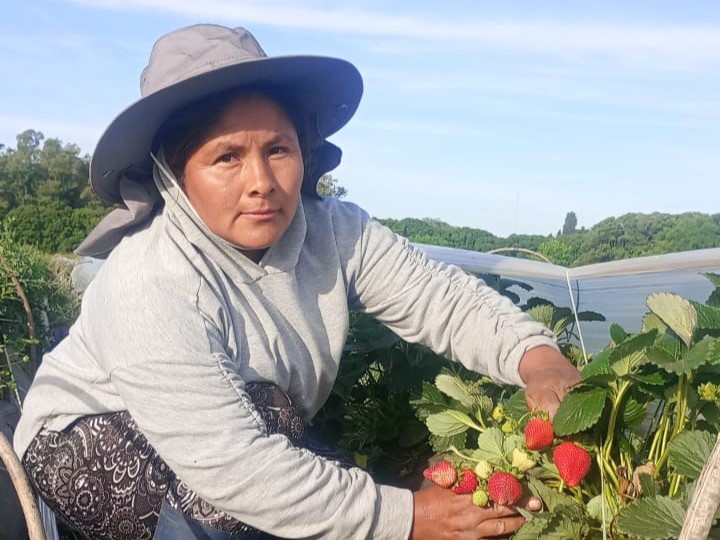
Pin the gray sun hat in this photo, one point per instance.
(200, 60)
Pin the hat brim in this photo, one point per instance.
(327, 88)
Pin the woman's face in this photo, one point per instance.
(244, 179)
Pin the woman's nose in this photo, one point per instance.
(261, 177)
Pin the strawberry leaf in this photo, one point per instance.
(633, 413)
(491, 446)
(516, 407)
(708, 317)
(551, 497)
(442, 444)
(689, 362)
(567, 522)
(688, 452)
(651, 518)
(618, 333)
(599, 509)
(679, 314)
(579, 410)
(599, 366)
(453, 386)
(448, 423)
(533, 528)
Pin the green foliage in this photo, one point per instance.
(647, 411)
(44, 194)
(327, 186)
(627, 236)
(652, 517)
(52, 227)
(368, 413)
(45, 284)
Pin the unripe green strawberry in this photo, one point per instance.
(483, 469)
(504, 489)
(480, 498)
(573, 462)
(509, 426)
(443, 474)
(539, 434)
(522, 461)
(498, 413)
(467, 484)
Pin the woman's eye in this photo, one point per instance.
(278, 150)
(226, 158)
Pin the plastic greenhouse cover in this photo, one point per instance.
(616, 289)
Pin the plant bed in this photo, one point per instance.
(626, 446)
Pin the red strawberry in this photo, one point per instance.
(573, 462)
(467, 484)
(539, 434)
(442, 473)
(504, 489)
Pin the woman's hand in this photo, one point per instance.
(440, 514)
(548, 376)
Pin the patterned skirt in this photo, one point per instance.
(101, 476)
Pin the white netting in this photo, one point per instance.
(616, 289)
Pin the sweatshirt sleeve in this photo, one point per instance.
(167, 361)
(453, 313)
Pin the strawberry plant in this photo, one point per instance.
(622, 455)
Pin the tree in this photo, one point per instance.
(570, 225)
(327, 187)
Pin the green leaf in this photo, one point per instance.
(648, 485)
(448, 423)
(542, 314)
(633, 413)
(714, 278)
(671, 344)
(515, 407)
(566, 523)
(600, 365)
(693, 358)
(533, 528)
(679, 314)
(688, 452)
(708, 317)
(618, 333)
(550, 497)
(442, 444)
(579, 410)
(491, 445)
(432, 401)
(653, 322)
(453, 386)
(630, 354)
(590, 316)
(652, 517)
(595, 509)
(713, 353)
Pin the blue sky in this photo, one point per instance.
(496, 115)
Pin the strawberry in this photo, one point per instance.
(442, 473)
(504, 489)
(467, 484)
(480, 498)
(539, 434)
(573, 462)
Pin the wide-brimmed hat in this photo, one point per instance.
(200, 60)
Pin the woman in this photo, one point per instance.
(214, 330)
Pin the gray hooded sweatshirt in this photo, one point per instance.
(177, 321)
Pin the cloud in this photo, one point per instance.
(649, 43)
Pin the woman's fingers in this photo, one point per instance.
(500, 528)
